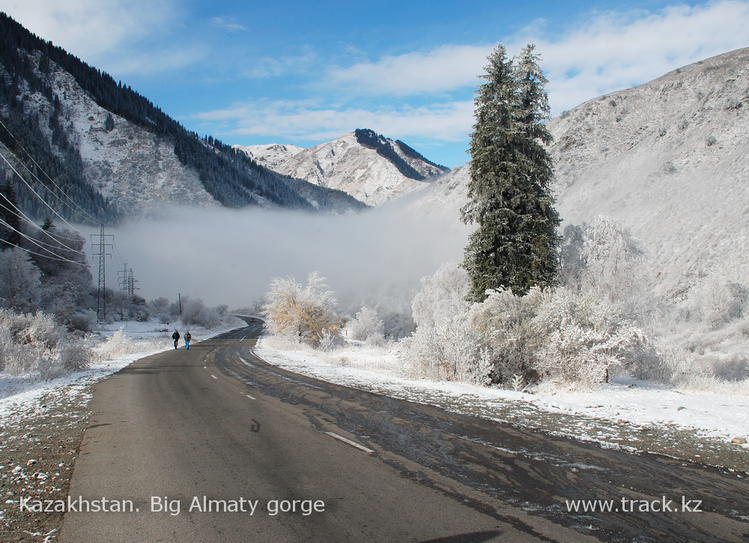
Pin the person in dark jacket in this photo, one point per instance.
(188, 339)
(175, 337)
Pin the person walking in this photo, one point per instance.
(175, 337)
(188, 339)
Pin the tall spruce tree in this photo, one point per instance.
(515, 244)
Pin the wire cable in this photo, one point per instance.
(26, 217)
(35, 242)
(37, 194)
(80, 209)
(43, 256)
(58, 244)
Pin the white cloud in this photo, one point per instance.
(229, 24)
(603, 53)
(616, 51)
(305, 120)
(120, 36)
(440, 69)
(89, 28)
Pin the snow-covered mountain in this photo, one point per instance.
(111, 151)
(668, 159)
(362, 163)
(271, 155)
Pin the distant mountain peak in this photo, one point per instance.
(401, 155)
(369, 166)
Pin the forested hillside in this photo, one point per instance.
(93, 136)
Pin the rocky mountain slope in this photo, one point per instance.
(668, 159)
(362, 163)
(112, 151)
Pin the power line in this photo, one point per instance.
(59, 244)
(38, 254)
(37, 194)
(86, 213)
(20, 214)
(35, 242)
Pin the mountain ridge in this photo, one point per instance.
(368, 166)
(69, 115)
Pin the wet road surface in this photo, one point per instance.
(218, 423)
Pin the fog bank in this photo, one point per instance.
(230, 256)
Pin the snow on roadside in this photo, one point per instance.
(722, 415)
(20, 394)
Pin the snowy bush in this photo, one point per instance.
(442, 296)
(504, 323)
(330, 340)
(397, 324)
(195, 313)
(20, 285)
(75, 357)
(449, 350)
(82, 321)
(585, 337)
(560, 334)
(604, 257)
(304, 312)
(444, 346)
(719, 302)
(161, 309)
(366, 326)
(34, 343)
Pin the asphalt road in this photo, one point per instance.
(217, 423)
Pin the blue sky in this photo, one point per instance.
(303, 72)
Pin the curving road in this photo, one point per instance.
(217, 423)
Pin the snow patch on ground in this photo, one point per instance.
(627, 402)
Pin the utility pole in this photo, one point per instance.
(131, 288)
(99, 243)
(122, 281)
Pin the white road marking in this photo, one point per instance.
(205, 367)
(214, 376)
(349, 442)
(251, 397)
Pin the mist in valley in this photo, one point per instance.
(375, 257)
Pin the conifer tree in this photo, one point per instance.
(509, 198)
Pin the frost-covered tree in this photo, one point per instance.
(66, 279)
(306, 313)
(604, 257)
(366, 326)
(515, 244)
(444, 346)
(559, 334)
(19, 281)
(195, 312)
